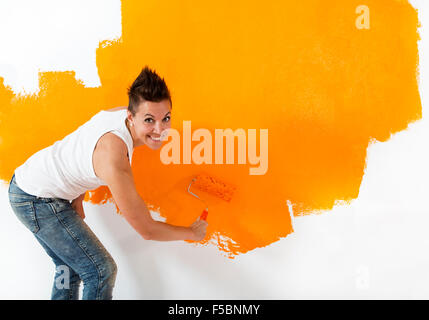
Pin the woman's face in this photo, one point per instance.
(151, 120)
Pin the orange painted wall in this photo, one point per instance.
(303, 70)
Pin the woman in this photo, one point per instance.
(46, 192)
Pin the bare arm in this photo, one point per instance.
(112, 166)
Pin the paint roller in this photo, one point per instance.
(212, 186)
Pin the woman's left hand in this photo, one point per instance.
(77, 205)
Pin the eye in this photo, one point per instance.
(167, 118)
(148, 120)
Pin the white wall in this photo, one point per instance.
(376, 247)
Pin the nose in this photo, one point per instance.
(158, 127)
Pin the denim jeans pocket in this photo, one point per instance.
(26, 214)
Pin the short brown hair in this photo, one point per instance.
(148, 86)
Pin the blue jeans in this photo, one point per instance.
(74, 248)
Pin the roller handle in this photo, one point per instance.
(204, 214)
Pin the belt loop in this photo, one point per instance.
(43, 199)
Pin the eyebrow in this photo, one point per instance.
(148, 114)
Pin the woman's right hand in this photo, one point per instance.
(199, 229)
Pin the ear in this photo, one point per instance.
(129, 117)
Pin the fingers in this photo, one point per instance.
(199, 220)
(201, 223)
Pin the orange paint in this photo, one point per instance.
(303, 70)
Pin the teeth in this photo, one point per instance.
(162, 137)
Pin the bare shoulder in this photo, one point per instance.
(110, 154)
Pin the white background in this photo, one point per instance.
(377, 247)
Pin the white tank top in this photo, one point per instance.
(64, 170)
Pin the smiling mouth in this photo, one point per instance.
(156, 139)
